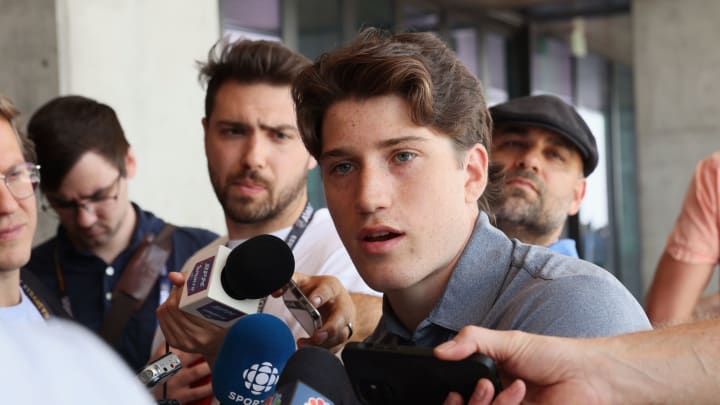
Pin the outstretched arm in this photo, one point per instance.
(673, 365)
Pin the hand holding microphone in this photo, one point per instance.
(197, 321)
(184, 331)
(232, 283)
(220, 288)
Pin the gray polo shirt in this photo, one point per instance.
(505, 284)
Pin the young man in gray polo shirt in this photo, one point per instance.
(401, 132)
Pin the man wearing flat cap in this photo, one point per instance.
(546, 151)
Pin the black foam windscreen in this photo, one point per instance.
(257, 267)
(321, 370)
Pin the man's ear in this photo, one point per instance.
(312, 163)
(579, 190)
(476, 170)
(205, 124)
(130, 163)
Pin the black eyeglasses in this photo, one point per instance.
(22, 180)
(101, 199)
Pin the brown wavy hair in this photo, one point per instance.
(420, 68)
(247, 61)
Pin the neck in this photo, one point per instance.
(284, 219)
(9, 288)
(528, 235)
(412, 305)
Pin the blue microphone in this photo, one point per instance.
(251, 359)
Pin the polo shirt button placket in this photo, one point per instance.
(109, 271)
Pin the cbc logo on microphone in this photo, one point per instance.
(260, 378)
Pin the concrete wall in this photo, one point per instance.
(29, 68)
(677, 82)
(139, 57)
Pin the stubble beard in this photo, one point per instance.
(249, 210)
(104, 238)
(522, 217)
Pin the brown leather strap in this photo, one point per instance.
(137, 280)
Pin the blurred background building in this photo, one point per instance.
(643, 73)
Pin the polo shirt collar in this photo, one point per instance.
(477, 278)
(472, 289)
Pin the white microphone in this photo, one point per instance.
(228, 284)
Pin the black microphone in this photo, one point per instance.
(257, 267)
(227, 284)
(313, 373)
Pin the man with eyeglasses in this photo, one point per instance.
(23, 299)
(86, 163)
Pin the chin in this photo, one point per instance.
(13, 262)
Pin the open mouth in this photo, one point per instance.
(380, 236)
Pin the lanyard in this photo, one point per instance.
(35, 300)
(300, 225)
(296, 232)
(64, 299)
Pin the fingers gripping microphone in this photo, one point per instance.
(231, 283)
(316, 376)
(250, 360)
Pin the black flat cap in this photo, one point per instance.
(553, 114)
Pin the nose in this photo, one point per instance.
(530, 160)
(372, 190)
(85, 215)
(255, 151)
(8, 202)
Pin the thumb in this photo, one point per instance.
(473, 339)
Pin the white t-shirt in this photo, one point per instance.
(23, 313)
(61, 363)
(319, 251)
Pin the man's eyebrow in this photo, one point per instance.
(512, 130)
(385, 144)
(401, 140)
(562, 142)
(279, 127)
(97, 193)
(232, 123)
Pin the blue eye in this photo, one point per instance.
(341, 168)
(233, 131)
(281, 135)
(405, 156)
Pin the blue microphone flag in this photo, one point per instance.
(251, 359)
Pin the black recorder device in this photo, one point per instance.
(389, 374)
